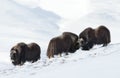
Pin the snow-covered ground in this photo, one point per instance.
(20, 23)
(100, 62)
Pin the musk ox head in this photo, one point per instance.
(17, 54)
(82, 42)
(87, 38)
(74, 39)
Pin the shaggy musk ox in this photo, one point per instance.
(64, 43)
(22, 52)
(89, 37)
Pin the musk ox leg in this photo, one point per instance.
(73, 49)
(51, 56)
(85, 48)
(50, 53)
(35, 60)
(105, 44)
(60, 54)
(88, 46)
(22, 63)
(66, 53)
(38, 57)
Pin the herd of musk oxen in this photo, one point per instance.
(67, 42)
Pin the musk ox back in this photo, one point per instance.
(102, 35)
(22, 52)
(33, 53)
(58, 45)
(89, 37)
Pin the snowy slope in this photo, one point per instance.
(100, 62)
(19, 23)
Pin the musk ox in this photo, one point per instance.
(64, 43)
(89, 37)
(22, 52)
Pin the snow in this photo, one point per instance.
(99, 62)
(68, 9)
(20, 23)
(30, 3)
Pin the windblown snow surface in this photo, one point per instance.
(19, 23)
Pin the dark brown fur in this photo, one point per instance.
(102, 35)
(33, 53)
(74, 38)
(58, 45)
(22, 52)
(89, 37)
